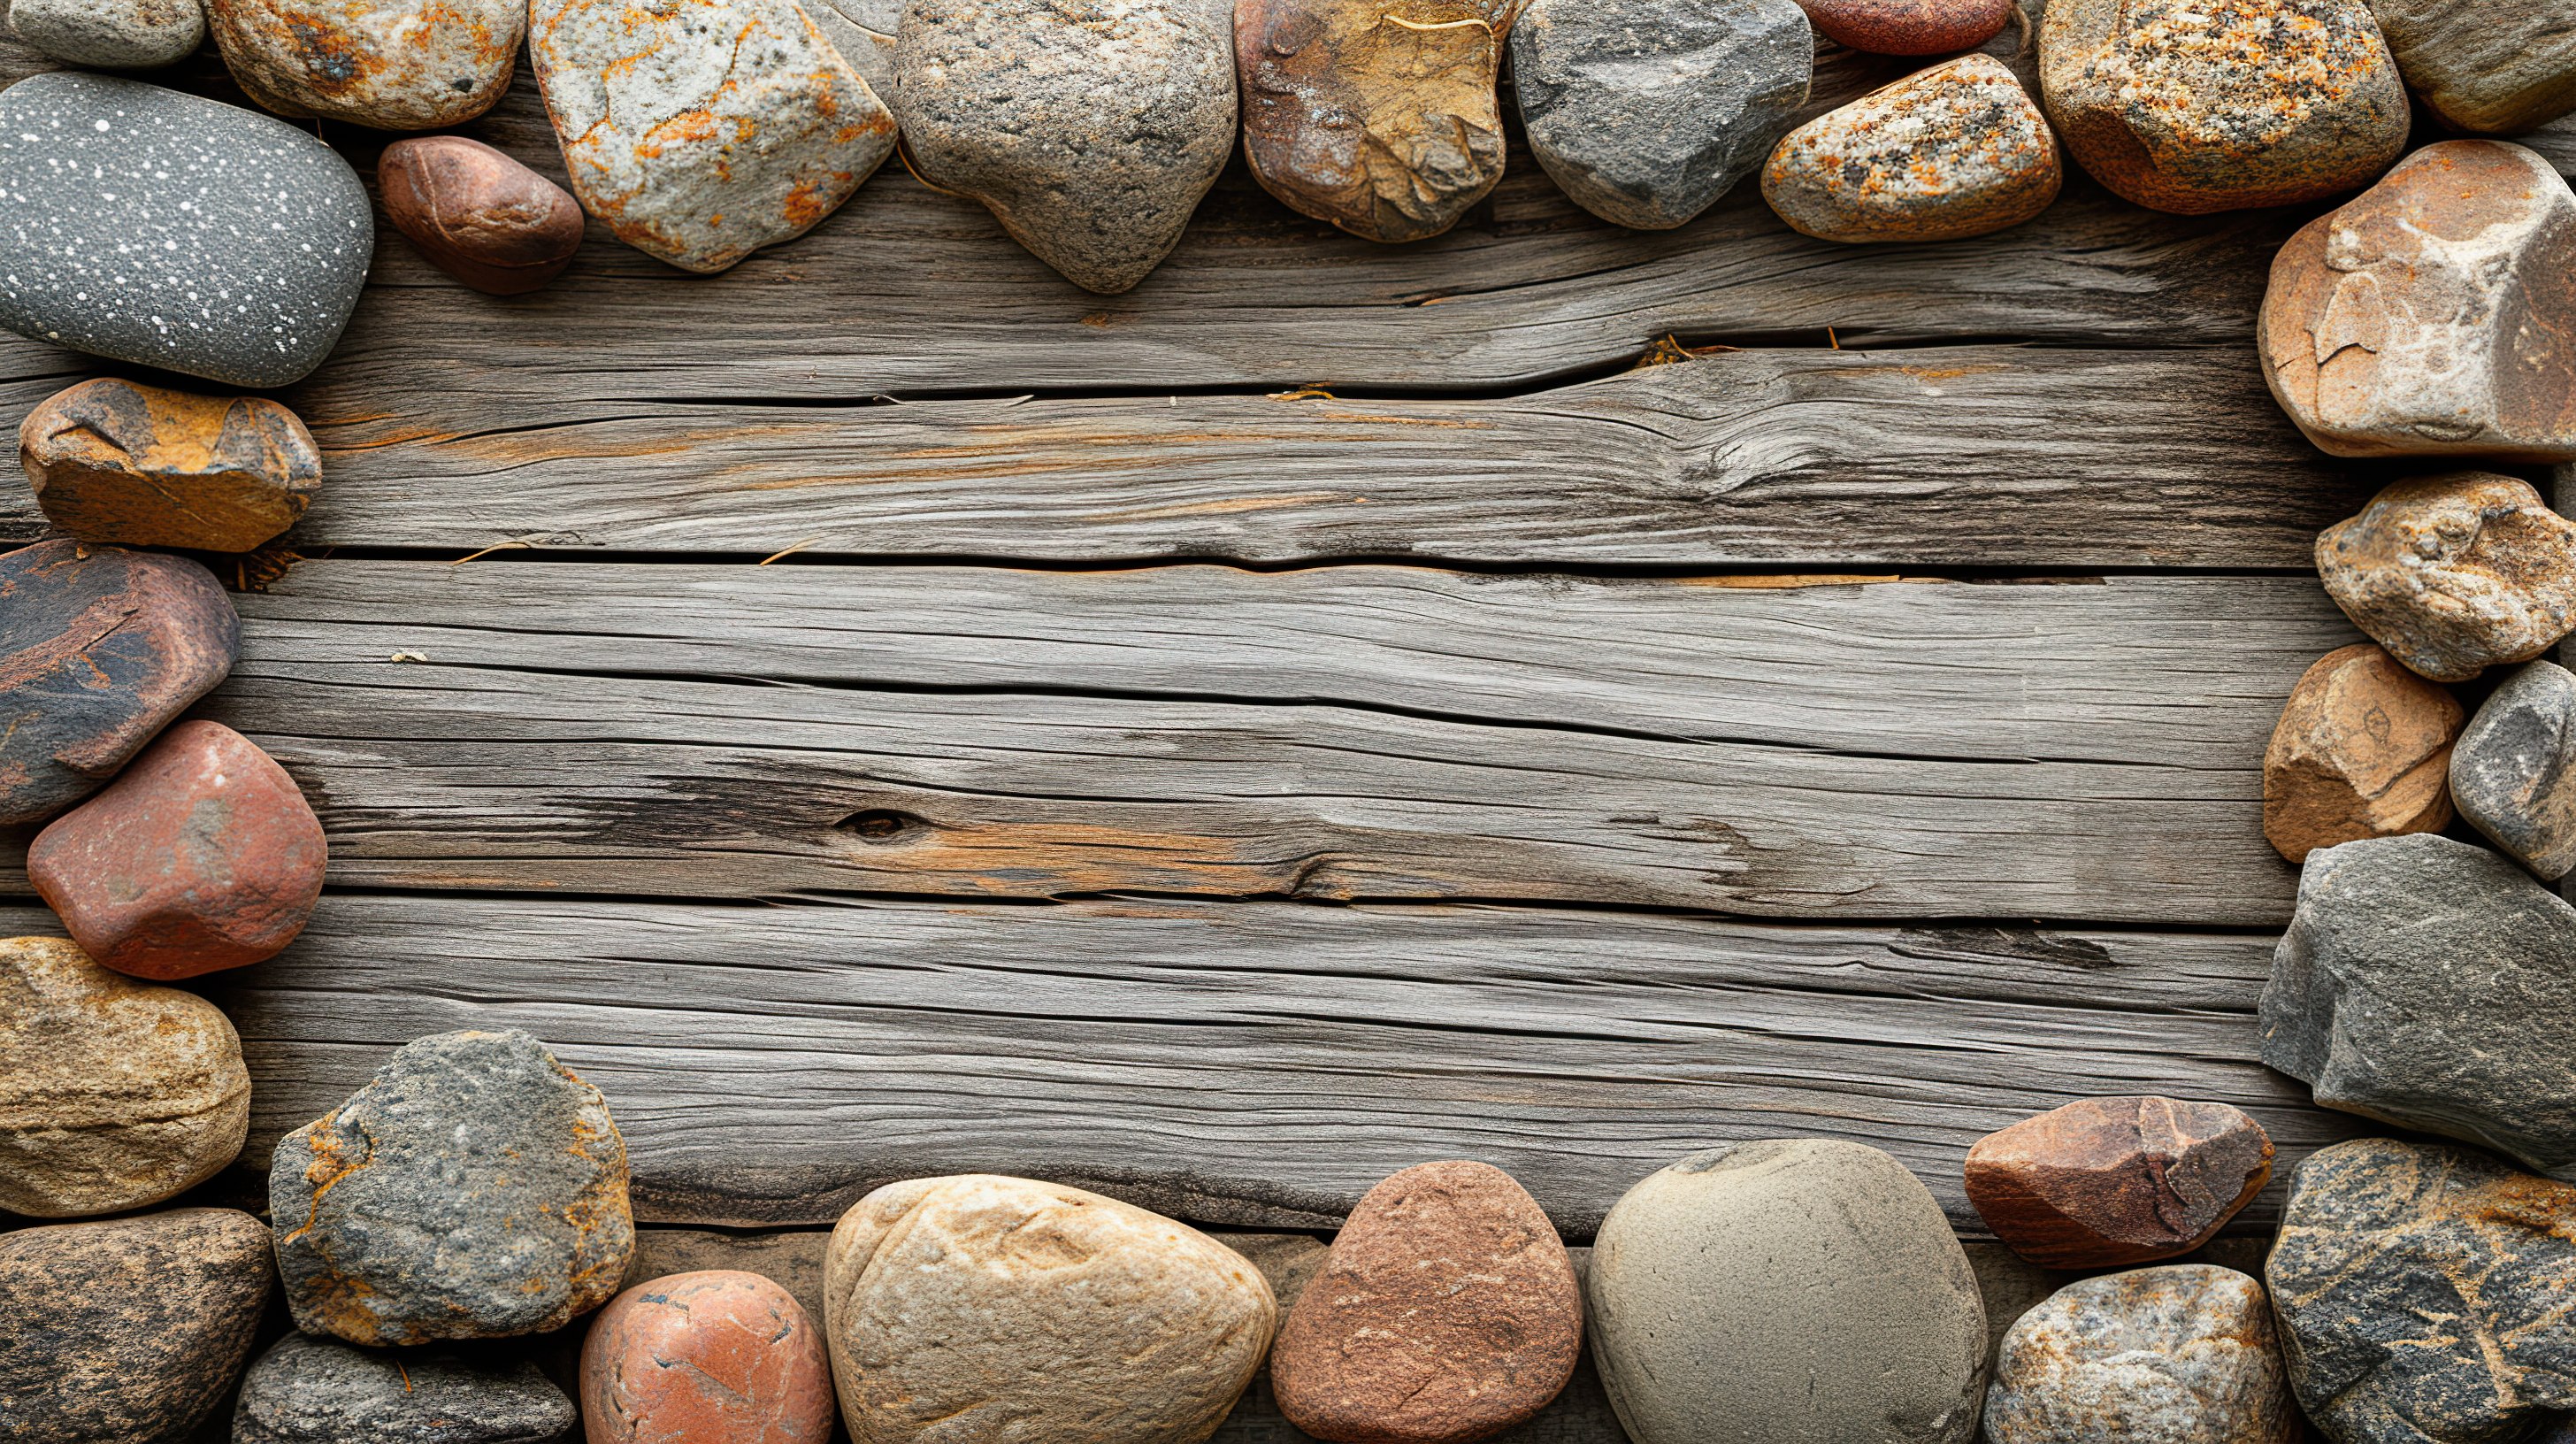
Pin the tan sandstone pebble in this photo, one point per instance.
(479, 215)
(1448, 1311)
(1379, 116)
(2495, 67)
(391, 64)
(2111, 1181)
(2218, 105)
(2455, 574)
(113, 461)
(705, 1358)
(113, 1094)
(2435, 315)
(2362, 750)
(1076, 1318)
(1954, 151)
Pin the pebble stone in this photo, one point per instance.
(475, 1189)
(2421, 1292)
(114, 461)
(2455, 574)
(2432, 985)
(127, 1331)
(306, 1390)
(391, 64)
(149, 226)
(864, 32)
(1801, 1291)
(2498, 67)
(2184, 1354)
(114, 1095)
(1647, 111)
(202, 856)
(653, 106)
(2219, 105)
(714, 1356)
(1910, 27)
(2514, 771)
(1447, 1311)
(2433, 315)
(2109, 1181)
(1090, 132)
(111, 34)
(1955, 151)
(2363, 749)
(1074, 1317)
(99, 649)
(478, 215)
(1379, 116)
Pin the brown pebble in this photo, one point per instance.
(2363, 749)
(112, 461)
(203, 856)
(705, 1358)
(2111, 1181)
(2455, 574)
(1955, 151)
(479, 215)
(1447, 1311)
(1910, 27)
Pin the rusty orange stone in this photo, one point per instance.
(705, 1358)
(202, 856)
(391, 64)
(112, 461)
(2111, 1181)
(2363, 749)
(479, 215)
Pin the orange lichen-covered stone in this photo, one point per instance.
(391, 64)
(1954, 151)
(2213, 105)
(2363, 749)
(1379, 116)
(2111, 1181)
(113, 461)
(705, 1358)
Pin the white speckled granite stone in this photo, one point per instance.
(154, 227)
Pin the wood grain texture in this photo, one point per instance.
(1252, 1065)
(2072, 752)
(1983, 456)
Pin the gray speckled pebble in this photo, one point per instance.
(1647, 111)
(2184, 1354)
(863, 31)
(112, 34)
(2513, 772)
(318, 1391)
(154, 227)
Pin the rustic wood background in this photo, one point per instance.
(1328, 709)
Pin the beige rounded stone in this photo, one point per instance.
(114, 1094)
(2455, 574)
(979, 1307)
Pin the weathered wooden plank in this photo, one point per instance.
(2068, 752)
(1973, 456)
(1252, 1065)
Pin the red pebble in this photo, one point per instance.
(705, 1358)
(1910, 27)
(202, 856)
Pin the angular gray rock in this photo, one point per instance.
(127, 1331)
(2496, 67)
(2421, 1292)
(162, 229)
(2513, 772)
(2432, 985)
(1647, 111)
(653, 105)
(1090, 132)
(320, 1391)
(2183, 1354)
(111, 34)
(1802, 1291)
(475, 1189)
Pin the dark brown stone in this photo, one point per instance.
(479, 215)
(202, 856)
(129, 1331)
(2363, 749)
(706, 1358)
(1910, 27)
(99, 649)
(2111, 1181)
(112, 461)
(1447, 1312)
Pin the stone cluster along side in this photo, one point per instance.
(477, 1190)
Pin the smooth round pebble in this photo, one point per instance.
(391, 64)
(479, 215)
(1910, 27)
(1955, 151)
(705, 1358)
(111, 34)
